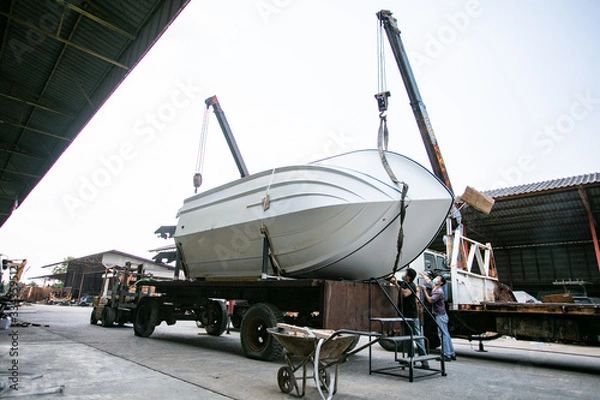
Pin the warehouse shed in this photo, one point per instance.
(544, 235)
(84, 275)
(59, 62)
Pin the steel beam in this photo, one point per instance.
(67, 42)
(97, 19)
(590, 215)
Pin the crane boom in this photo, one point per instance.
(235, 151)
(431, 146)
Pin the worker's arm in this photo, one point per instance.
(404, 290)
(427, 297)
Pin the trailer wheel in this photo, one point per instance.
(215, 321)
(108, 316)
(257, 343)
(146, 318)
(93, 319)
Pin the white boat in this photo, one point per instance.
(338, 218)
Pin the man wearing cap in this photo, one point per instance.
(438, 309)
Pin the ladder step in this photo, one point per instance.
(408, 360)
(428, 357)
(393, 319)
(397, 339)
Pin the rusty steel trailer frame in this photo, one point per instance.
(547, 322)
(322, 304)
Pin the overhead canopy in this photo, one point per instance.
(545, 213)
(59, 62)
(542, 234)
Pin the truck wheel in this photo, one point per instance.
(388, 344)
(215, 322)
(257, 343)
(146, 318)
(93, 319)
(108, 316)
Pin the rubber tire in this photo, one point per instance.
(257, 343)
(236, 321)
(216, 325)
(93, 319)
(286, 380)
(388, 345)
(108, 317)
(146, 318)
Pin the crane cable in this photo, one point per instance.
(201, 147)
(383, 137)
(381, 75)
(381, 97)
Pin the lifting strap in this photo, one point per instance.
(400, 240)
(382, 143)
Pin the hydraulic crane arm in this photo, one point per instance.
(416, 102)
(235, 151)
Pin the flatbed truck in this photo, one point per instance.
(262, 304)
(479, 306)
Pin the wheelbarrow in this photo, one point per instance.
(316, 349)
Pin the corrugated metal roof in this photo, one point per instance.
(541, 213)
(555, 184)
(59, 62)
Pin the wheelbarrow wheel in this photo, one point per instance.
(286, 379)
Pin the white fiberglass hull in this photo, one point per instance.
(338, 218)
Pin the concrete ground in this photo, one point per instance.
(63, 353)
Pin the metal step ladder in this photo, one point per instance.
(405, 360)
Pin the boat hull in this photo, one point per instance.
(338, 218)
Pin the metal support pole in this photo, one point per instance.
(265, 261)
(586, 203)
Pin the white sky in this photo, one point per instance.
(511, 88)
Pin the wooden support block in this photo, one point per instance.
(477, 200)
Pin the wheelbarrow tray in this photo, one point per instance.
(300, 343)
